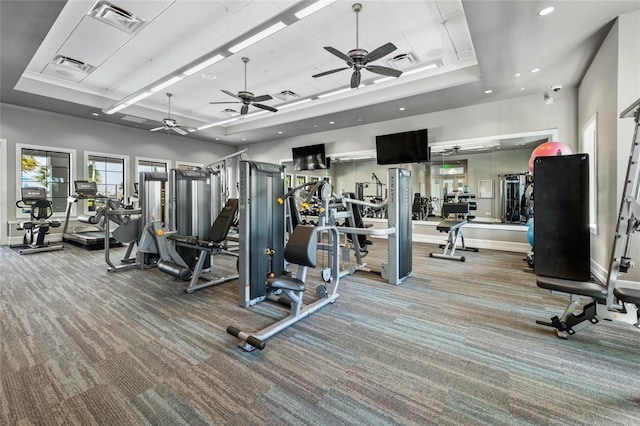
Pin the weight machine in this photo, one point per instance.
(263, 275)
(611, 302)
(398, 231)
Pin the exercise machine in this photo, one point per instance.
(456, 215)
(611, 301)
(399, 233)
(34, 200)
(204, 245)
(515, 207)
(301, 250)
(91, 235)
(263, 275)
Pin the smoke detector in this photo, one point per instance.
(116, 17)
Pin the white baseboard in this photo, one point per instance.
(481, 244)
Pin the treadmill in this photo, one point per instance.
(92, 235)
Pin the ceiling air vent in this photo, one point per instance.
(287, 95)
(116, 17)
(402, 60)
(72, 64)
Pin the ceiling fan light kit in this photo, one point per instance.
(247, 98)
(358, 59)
(171, 123)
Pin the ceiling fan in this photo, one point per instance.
(360, 58)
(247, 98)
(171, 124)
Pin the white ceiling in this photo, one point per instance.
(481, 46)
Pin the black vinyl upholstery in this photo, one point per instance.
(582, 288)
(220, 228)
(302, 247)
(629, 295)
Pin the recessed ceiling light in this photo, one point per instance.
(488, 91)
(522, 88)
(95, 114)
(208, 76)
(280, 132)
(243, 139)
(402, 108)
(359, 119)
(518, 74)
(332, 122)
(535, 70)
(546, 11)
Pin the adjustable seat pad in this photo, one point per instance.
(581, 288)
(629, 295)
(301, 249)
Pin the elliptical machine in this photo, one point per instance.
(40, 209)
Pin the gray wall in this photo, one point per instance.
(522, 114)
(603, 94)
(29, 126)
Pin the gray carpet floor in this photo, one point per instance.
(455, 344)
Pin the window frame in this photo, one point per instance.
(126, 181)
(72, 164)
(188, 164)
(591, 148)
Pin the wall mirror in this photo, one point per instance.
(493, 169)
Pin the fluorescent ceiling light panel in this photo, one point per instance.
(417, 70)
(383, 79)
(325, 95)
(303, 101)
(255, 113)
(301, 14)
(204, 65)
(218, 123)
(116, 109)
(166, 83)
(257, 37)
(135, 99)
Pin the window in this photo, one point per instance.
(108, 171)
(183, 165)
(589, 132)
(151, 165)
(43, 167)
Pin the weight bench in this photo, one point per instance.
(569, 323)
(456, 216)
(211, 246)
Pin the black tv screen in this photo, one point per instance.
(310, 157)
(405, 147)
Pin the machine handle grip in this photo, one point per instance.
(255, 342)
(234, 331)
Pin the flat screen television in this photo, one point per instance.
(311, 157)
(405, 147)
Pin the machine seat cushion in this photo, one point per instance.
(302, 247)
(581, 288)
(286, 283)
(186, 239)
(629, 295)
(221, 226)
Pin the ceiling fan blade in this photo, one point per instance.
(156, 129)
(378, 53)
(267, 107)
(179, 131)
(261, 98)
(233, 95)
(355, 79)
(244, 109)
(339, 54)
(391, 72)
(329, 72)
(225, 102)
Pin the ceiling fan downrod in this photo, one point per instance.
(357, 7)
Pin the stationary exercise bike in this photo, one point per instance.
(37, 227)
